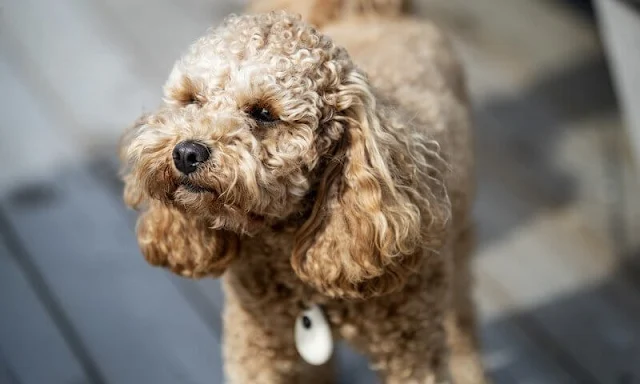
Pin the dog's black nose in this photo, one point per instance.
(187, 155)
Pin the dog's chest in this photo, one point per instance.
(263, 273)
(264, 281)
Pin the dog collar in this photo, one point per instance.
(313, 338)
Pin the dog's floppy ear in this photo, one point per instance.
(381, 205)
(186, 245)
(168, 237)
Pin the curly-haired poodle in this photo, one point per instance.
(327, 169)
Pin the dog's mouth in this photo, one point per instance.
(190, 186)
(253, 220)
(194, 188)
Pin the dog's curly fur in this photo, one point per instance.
(356, 197)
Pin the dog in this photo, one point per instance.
(322, 163)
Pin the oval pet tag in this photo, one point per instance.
(313, 336)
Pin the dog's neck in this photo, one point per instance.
(296, 220)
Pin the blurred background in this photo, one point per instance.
(558, 261)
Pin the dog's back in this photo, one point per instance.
(413, 65)
(322, 12)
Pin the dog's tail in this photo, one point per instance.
(321, 12)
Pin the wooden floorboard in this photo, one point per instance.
(600, 335)
(519, 183)
(133, 25)
(555, 290)
(33, 350)
(6, 374)
(513, 351)
(82, 76)
(513, 356)
(29, 334)
(22, 130)
(544, 227)
(353, 367)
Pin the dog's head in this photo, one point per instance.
(267, 122)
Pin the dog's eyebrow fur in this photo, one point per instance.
(186, 92)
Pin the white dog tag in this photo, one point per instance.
(313, 336)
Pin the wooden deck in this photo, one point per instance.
(558, 284)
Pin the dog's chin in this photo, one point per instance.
(240, 223)
(205, 202)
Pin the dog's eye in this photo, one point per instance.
(194, 99)
(262, 114)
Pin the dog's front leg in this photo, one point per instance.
(259, 346)
(403, 333)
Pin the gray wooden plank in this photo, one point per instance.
(512, 351)
(548, 37)
(352, 367)
(133, 320)
(137, 23)
(512, 356)
(21, 121)
(6, 374)
(536, 157)
(518, 176)
(556, 289)
(29, 335)
(567, 250)
(212, 290)
(208, 305)
(605, 339)
(622, 290)
(65, 50)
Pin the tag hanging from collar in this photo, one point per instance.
(313, 336)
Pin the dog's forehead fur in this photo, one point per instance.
(273, 55)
